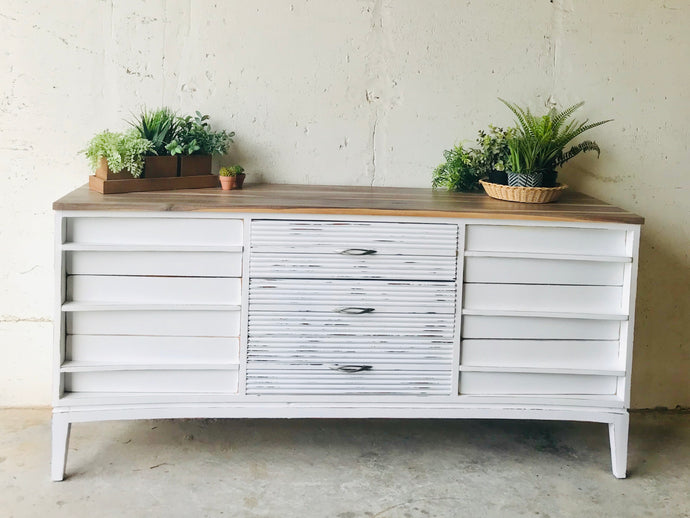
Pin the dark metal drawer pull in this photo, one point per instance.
(358, 251)
(350, 368)
(355, 311)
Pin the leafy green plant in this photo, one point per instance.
(464, 167)
(195, 137)
(159, 126)
(231, 171)
(538, 145)
(121, 150)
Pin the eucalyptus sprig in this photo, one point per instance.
(195, 137)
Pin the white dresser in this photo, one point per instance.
(308, 301)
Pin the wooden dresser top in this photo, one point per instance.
(332, 199)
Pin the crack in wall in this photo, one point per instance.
(13, 319)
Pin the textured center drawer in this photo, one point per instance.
(352, 296)
(336, 237)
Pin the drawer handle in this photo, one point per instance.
(355, 311)
(350, 368)
(358, 251)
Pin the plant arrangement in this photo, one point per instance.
(231, 177)
(159, 127)
(117, 155)
(464, 167)
(538, 145)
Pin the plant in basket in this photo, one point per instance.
(195, 142)
(159, 127)
(115, 156)
(538, 145)
(231, 177)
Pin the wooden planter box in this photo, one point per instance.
(160, 166)
(104, 173)
(194, 165)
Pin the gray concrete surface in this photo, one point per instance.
(344, 469)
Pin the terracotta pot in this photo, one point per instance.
(228, 183)
(195, 165)
(102, 171)
(160, 166)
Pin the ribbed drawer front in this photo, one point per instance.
(554, 240)
(352, 296)
(380, 379)
(339, 236)
(344, 266)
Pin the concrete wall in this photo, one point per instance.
(364, 92)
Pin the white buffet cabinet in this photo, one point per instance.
(291, 313)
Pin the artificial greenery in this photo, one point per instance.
(539, 141)
(121, 150)
(159, 126)
(231, 171)
(464, 167)
(195, 137)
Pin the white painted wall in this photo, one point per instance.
(347, 92)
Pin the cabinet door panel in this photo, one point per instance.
(539, 328)
(153, 381)
(191, 264)
(153, 290)
(154, 231)
(155, 323)
(536, 239)
(501, 383)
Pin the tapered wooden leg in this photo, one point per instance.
(618, 436)
(61, 429)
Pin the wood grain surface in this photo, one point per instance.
(334, 199)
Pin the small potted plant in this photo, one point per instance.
(115, 156)
(159, 127)
(538, 146)
(195, 142)
(231, 177)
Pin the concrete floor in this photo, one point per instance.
(344, 469)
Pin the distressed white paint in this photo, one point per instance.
(349, 92)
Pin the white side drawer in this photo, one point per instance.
(192, 264)
(555, 354)
(153, 381)
(479, 326)
(155, 323)
(534, 297)
(154, 231)
(339, 266)
(508, 383)
(555, 240)
(353, 296)
(511, 270)
(115, 349)
(153, 290)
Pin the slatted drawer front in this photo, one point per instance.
(351, 296)
(179, 263)
(153, 381)
(343, 266)
(337, 237)
(154, 231)
(153, 290)
(547, 240)
(379, 379)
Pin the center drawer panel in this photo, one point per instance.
(339, 296)
(336, 237)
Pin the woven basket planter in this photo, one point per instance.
(523, 194)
